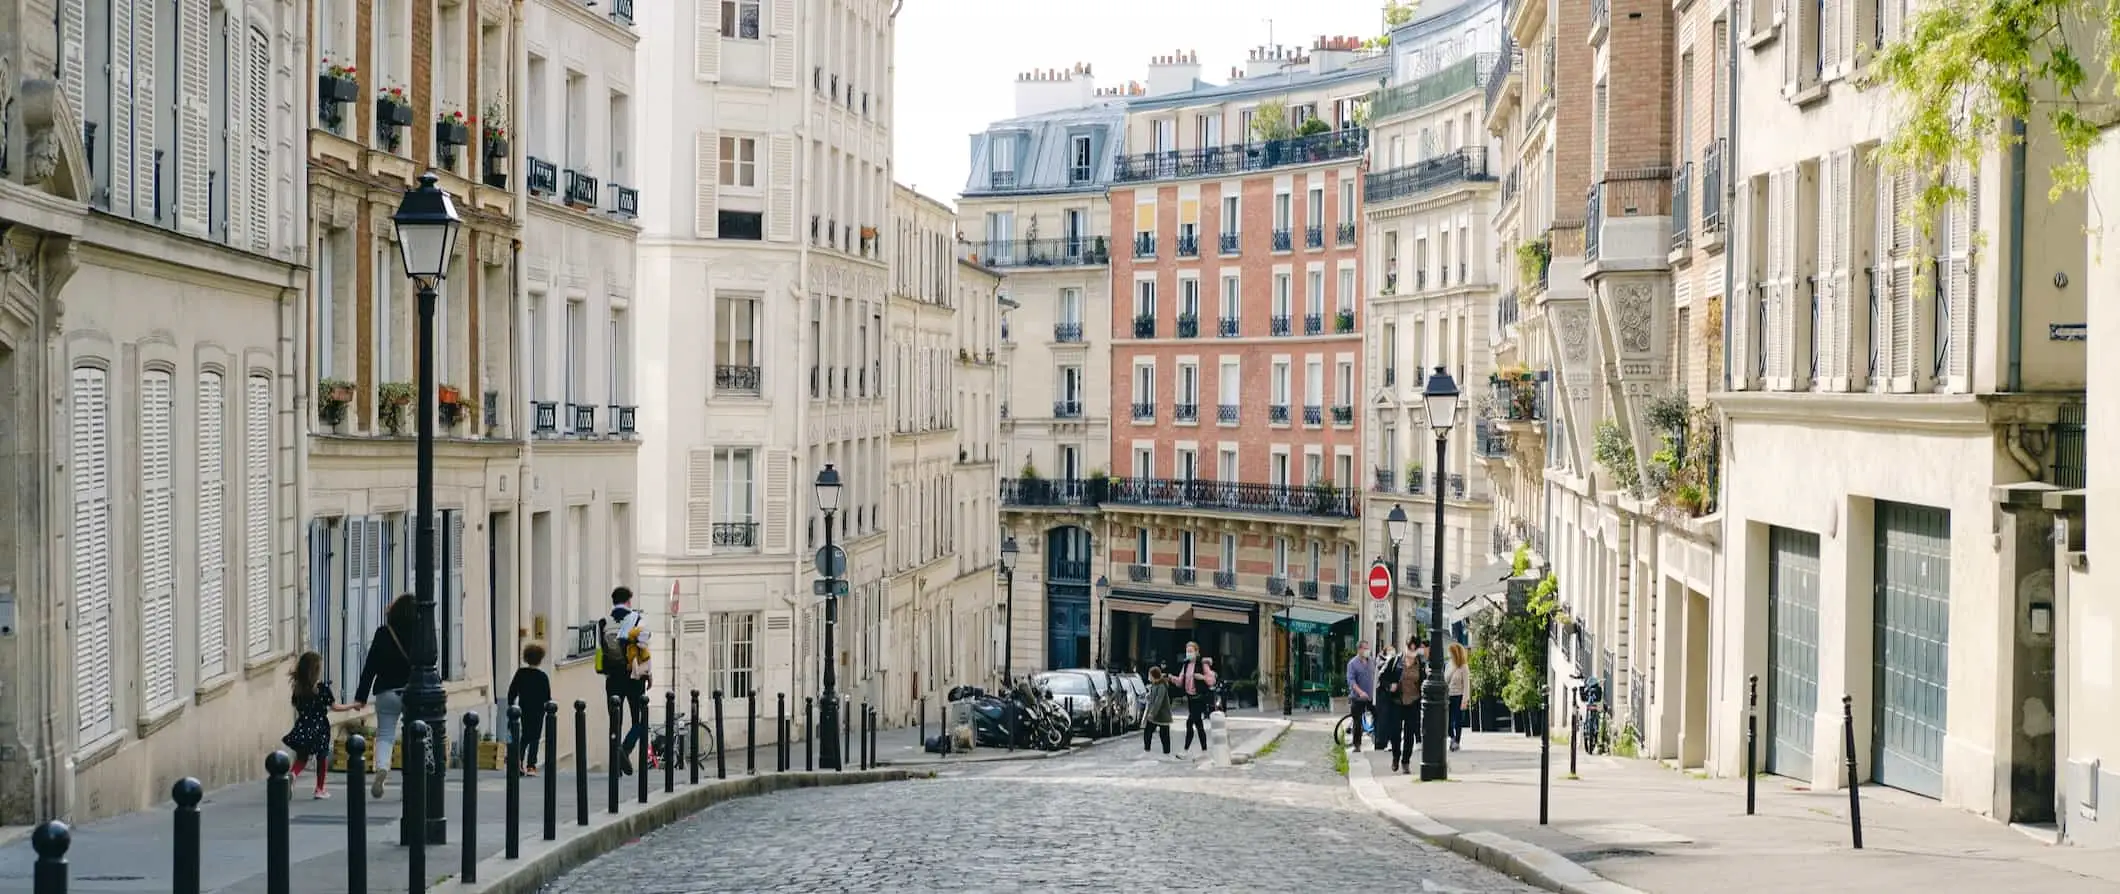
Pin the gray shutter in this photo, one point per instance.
(458, 600)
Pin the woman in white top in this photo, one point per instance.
(1459, 678)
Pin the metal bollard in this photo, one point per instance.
(669, 756)
(611, 769)
(551, 765)
(1847, 729)
(581, 762)
(468, 847)
(861, 757)
(809, 734)
(50, 841)
(750, 732)
(875, 722)
(692, 738)
(846, 732)
(1751, 744)
(187, 793)
(279, 789)
(1574, 732)
(512, 805)
(1545, 754)
(415, 824)
(356, 815)
(721, 754)
(641, 778)
(780, 732)
(923, 721)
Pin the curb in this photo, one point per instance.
(542, 861)
(1021, 754)
(1259, 740)
(1523, 860)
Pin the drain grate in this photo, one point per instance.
(1608, 853)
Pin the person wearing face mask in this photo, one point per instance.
(1196, 679)
(1361, 692)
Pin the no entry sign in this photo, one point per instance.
(1380, 581)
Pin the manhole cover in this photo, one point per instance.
(1609, 853)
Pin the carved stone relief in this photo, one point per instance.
(1635, 317)
(1575, 336)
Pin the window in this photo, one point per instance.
(1344, 300)
(1071, 306)
(1282, 213)
(1229, 554)
(387, 279)
(1188, 466)
(621, 133)
(1231, 220)
(1226, 465)
(735, 635)
(1078, 170)
(1314, 383)
(1231, 386)
(1282, 305)
(1144, 384)
(1345, 381)
(257, 515)
(739, 162)
(739, 19)
(1313, 470)
(733, 490)
(1188, 384)
(577, 350)
(1347, 202)
(95, 706)
(1314, 293)
(1280, 383)
(1232, 301)
(1185, 544)
(1210, 134)
(1001, 157)
(1280, 551)
(1189, 298)
(155, 517)
(1141, 546)
(210, 453)
(1071, 384)
(1144, 462)
(539, 334)
(617, 375)
(1317, 555)
(1145, 298)
(1343, 470)
(1316, 212)
(735, 327)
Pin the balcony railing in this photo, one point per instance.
(1339, 593)
(1314, 237)
(1505, 311)
(1385, 482)
(1277, 414)
(584, 418)
(1063, 252)
(1279, 325)
(1593, 221)
(1463, 166)
(1277, 585)
(738, 534)
(1225, 580)
(1455, 78)
(1001, 180)
(1342, 414)
(1487, 442)
(622, 11)
(1283, 240)
(1188, 246)
(622, 420)
(1234, 497)
(1182, 576)
(1144, 245)
(1711, 187)
(1313, 324)
(544, 177)
(1067, 333)
(1345, 235)
(1242, 158)
(1068, 569)
(625, 200)
(1139, 573)
(581, 190)
(1313, 414)
(1067, 409)
(1145, 326)
(544, 418)
(1230, 243)
(1681, 206)
(1188, 326)
(1185, 412)
(1226, 414)
(1519, 400)
(1457, 486)
(1308, 589)
(1416, 483)
(1144, 411)
(1054, 491)
(736, 378)
(1505, 64)
(1226, 328)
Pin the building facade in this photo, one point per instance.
(1237, 280)
(774, 117)
(1034, 211)
(149, 349)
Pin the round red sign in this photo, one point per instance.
(1380, 581)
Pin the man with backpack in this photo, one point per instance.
(622, 657)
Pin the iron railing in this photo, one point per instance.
(625, 200)
(1463, 166)
(1314, 237)
(1284, 240)
(1711, 187)
(1342, 414)
(622, 420)
(1227, 414)
(1144, 410)
(1345, 236)
(1235, 497)
(581, 189)
(1067, 333)
(1054, 491)
(1593, 221)
(1188, 326)
(1240, 158)
(1277, 414)
(1227, 327)
(1465, 74)
(1144, 245)
(1185, 412)
(1313, 414)
(743, 534)
(736, 378)
(1145, 326)
(1278, 325)
(1188, 245)
(1313, 324)
(1385, 482)
(1505, 311)
(1067, 409)
(1062, 252)
(1505, 64)
(544, 177)
(1487, 442)
(1519, 400)
(1681, 206)
(2071, 471)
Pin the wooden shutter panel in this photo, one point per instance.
(457, 665)
(706, 181)
(257, 516)
(699, 502)
(786, 40)
(1893, 21)
(156, 515)
(144, 109)
(1739, 312)
(1794, 315)
(95, 709)
(354, 623)
(706, 41)
(235, 131)
(1894, 196)
(194, 87)
(211, 459)
(121, 110)
(1827, 294)
(779, 496)
(73, 73)
(780, 200)
(1776, 313)
(1830, 32)
(257, 141)
(1840, 269)
(1958, 284)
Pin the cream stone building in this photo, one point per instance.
(150, 343)
(2087, 732)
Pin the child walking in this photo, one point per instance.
(1155, 718)
(311, 735)
(531, 689)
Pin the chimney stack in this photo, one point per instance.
(1175, 73)
(1051, 89)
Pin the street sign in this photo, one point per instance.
(831, 561)
(834, 587)
(1380, 581)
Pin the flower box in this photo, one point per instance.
(336, 89)
(333, 396)
(392, 113)
(496, 146)
(452, 133)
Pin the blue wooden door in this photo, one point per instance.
(1912, 628)
(1792, 650)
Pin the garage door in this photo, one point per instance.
(1792, 650)
(1913, 645)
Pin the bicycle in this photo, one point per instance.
(1369, 728)
(659, 743)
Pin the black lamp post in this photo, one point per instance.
(427, 225)
(828, 756)
(1395, 531)
(1440, 399)
(1104, 641)
(1288, 653)
(1008, 611)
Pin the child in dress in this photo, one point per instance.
(311, 735)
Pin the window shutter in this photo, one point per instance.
(1840, 267)
(780, 201)
(1830, 33)
(1792, 52)
(213, 550)
(354, 622)
(706, 202)
(257, 141)
(144, 108)
(234, 132)
(1740, 313)
(1776, 312)
(1793, 317)
(456, 591)
(1894, 195)
(158, 555)
(194, 87)
(777, 657)
(1958, 284)
(1893, 13)
(699, 502)
(257, 516)
(706, 41)
(1823, 333)
(73, 74)
(785, 42)
(94, 703)
(121, 111)
(778, 499)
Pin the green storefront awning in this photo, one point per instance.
(1306, 620)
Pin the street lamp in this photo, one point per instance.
(827, 487)
(1104, 643)
(427, 224)
(1288, 653)
(1395, 531)
(1440, 399)
(1008, 611)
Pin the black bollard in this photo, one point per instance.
(611, 770)
(780, 732)
(846, 732)
(1847, 729)
(923, 721)
(411, 831)
(512, 805)
(551, 765)
(861, 756)
(669, 756)
(50, 841)
(279, 789)
(581, 762)
(1751, 744)
(468, 847)
(641, 782)
(875, 723)
(721, 754)
(809, 734)
(692, 738)
(750, 733)
(187, 793)
(1545, 756)
(356, 815)
(1574, 728)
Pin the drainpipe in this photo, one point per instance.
(2013, 377)
(1728, 189)
(55, 788)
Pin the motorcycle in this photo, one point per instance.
(1031, 715)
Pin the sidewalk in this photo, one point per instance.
(1658, 830)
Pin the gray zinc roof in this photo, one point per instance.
(1044, 167)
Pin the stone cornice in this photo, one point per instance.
(1940, 413)
(115, 242)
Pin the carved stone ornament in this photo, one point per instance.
(55, 158)
(1575, 336)
(1635, 317)
(7, 100)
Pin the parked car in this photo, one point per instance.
(1136, 698)
(1111, 702)
(1076, 695)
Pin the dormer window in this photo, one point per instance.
(1078, 170)
(1001, 162)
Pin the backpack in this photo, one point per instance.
(611, 643)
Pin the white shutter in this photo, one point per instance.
(1893, 19)
(144, 108)
(706, 41)
(779, 496)
(785, 42)
(211, 454)
(1839, 266)
(1776, 315)
(776, 658)
(456, 590)
(1794, 317)
(780, 199)
(257, 141)
(1830, 31)
(1825, 287)
(257, 516)
(234, 132)
(1962, 222)
(121, 107)
(354, 622)
(699, 502)
(194, 87)
(706, 180)
(156, 515)
(1895, 195)
(1792, 53)
(73, 74)
(1738, 308)
(95, 706)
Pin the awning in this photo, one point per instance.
(1303, 619)
(1453, 612)
(1173, 616)
(1219, 615)
(1479, 591)
(1131, 605)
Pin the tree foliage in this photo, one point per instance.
(1396, 14)
(1269, 121)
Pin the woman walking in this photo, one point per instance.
(386, 672)
(1459, 678)
(1197, 680)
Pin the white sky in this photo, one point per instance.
(958, 59)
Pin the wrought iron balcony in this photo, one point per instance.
(1182, 576)
(1416, 482)
(1230, 243)
(622, 11)
(544, 177)
(584, 418)
(622, 420)
(544, 418)
(625, 200)
(1339, 593)
(1240, 158)
(1234, 497)
(1145, 326)
(1314, 237)
(1067, 409)
(1467, 165)
(1385, 482)
(1277, 586)
(1313, 324)
(1505, 64)
(1466, 74)
(1283, 240)
(1519, 399)
(1188, 246)
(1001, 180)
(1188, 326)
(1054, 491)
(1307, 589)
(1138, 573)
(1342, 414)
(737, 534)
(581, 190)
(1486, 442)
(1186, 412)
(1593, 218)
(1711, 186)
(1226, 328)
(1457, 486)
(1277, 414)
(1062, 252)
(1225, 580)
(1067, 333)
(1343, 322)
(1068, 569)
(736, 378)
(1144, 411)
(1279, 325)
(1413, 575)
(1346, 234)
(1313, 414)
(1681, 206)
(1506, 310)
(1226, 414)
(1144, 245)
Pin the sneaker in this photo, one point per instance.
(320, 795)
(1453, 746)
(529, 771)
(375, 787)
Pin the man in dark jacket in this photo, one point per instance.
(1407, 698)
(631, 625)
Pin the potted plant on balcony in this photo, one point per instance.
(449, 402)
(1413, 477)
(452, 128)
(1344, 321)
(1099, 252)
(337, 85)
(393, 110)
(392, 399)
(1531, 260)
(332, 397)
(1326, 496)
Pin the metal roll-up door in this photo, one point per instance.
(1912, 647)
(1792, 650)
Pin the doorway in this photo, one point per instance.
(1693, 722)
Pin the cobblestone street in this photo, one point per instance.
(1106, 819)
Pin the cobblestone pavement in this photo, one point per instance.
(1104, 820)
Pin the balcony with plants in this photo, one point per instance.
(1322, 499)
(1680, 480)
(1518, 395)
(1075, 251)
(1030, 491)
(1273, 143)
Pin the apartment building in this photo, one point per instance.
(1428, 202)
(1034, 211)
(580, 201)
(2085, 732)
(147, 351)
(942, 377)
(1896, 415)
(1240, 274)
(760, 315)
